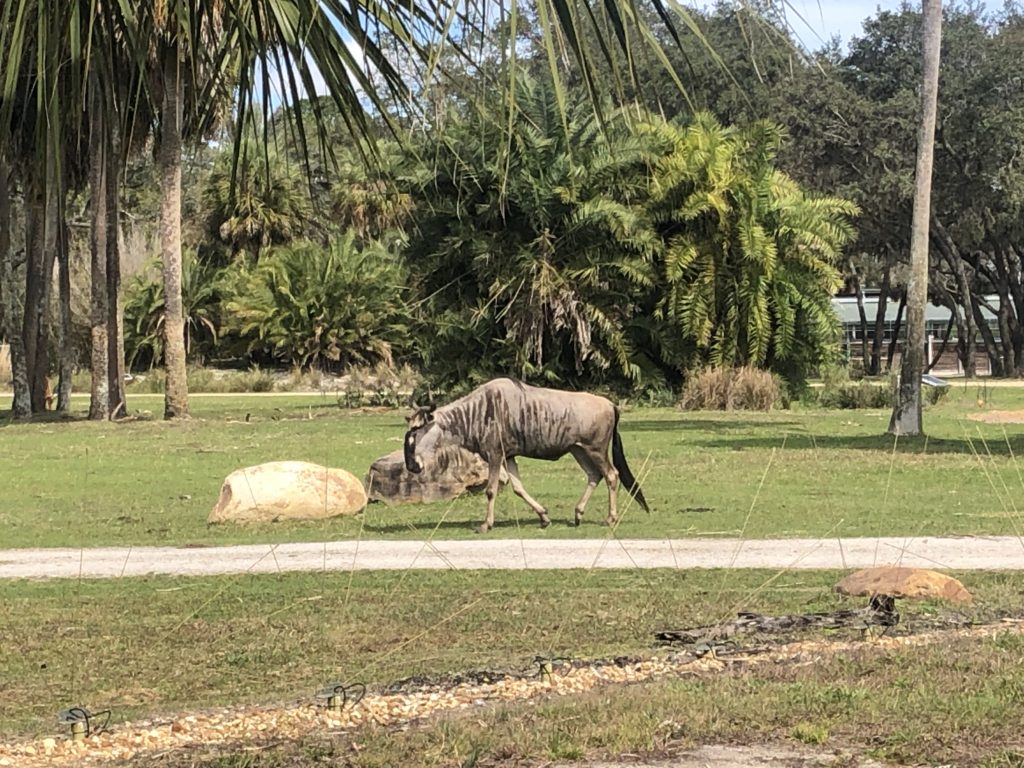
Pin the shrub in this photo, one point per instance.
(253, 380)
(144, 312)
(838, 391)
(731, 389)
(306, 305)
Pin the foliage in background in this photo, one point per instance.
(528, 249)
(263, 201)
(144, 308)
(630, 255)
(311, 306)
(750, 260)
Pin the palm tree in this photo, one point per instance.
(750, 262)
(184, 57)
(259, 202)
(22, 406)
(906, 415)
(537, 222)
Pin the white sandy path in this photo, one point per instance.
(989, 553)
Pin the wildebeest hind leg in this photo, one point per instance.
(593, 478)
(520, 491)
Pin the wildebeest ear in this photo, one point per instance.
(422, 415)
(431, 408)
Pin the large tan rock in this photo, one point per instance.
(287, 490)
(445, 475)
(895, 581)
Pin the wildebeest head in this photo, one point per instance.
(422, 436)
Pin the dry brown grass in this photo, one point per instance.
(731, 389)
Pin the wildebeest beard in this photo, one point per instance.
(420, 418)
(410, 452)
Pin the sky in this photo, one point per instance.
(814, 22)
(825, 18)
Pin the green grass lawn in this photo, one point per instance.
(157, 645)
(910, 706)
(804, 472)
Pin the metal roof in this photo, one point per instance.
(846, 308)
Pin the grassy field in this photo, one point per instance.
(155, 645)
(804, 472)
(905, 707)
(164, 644)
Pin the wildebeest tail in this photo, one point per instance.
(619, 462)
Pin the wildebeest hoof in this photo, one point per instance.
(484, 528)
(545, 521)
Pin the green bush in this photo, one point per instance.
(731, 389)
(144, 312)
(838, 391)
(309, 306)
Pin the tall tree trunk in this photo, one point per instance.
(859, 289)
(995, 358)
(35, 326)
(99, 402)
(875, 363)
(906, 416)
(966, 328)
(896, 326)
(22, 405)
(67, 352)
(1009, 321)
(942, 347)
(1000, 282)
(115, 308)
(169, 158)
(1017, 291)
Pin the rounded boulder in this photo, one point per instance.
(287, 490)
(897, 581)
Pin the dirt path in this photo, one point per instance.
(986, 553)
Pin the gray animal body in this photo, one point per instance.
(504, 419)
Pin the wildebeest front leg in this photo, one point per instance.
(593, 478)
(495, 474)
(520, 491)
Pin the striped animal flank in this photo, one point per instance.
(505, 419)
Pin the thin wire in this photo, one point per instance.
(885, 496)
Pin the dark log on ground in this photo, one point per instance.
(880, 612)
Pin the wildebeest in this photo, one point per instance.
(503, 419)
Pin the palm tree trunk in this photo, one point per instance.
(169, 159)
(66, 349)
(99, 401)
(906, 416)
(115, 308)
(38, 273)
(22, 405)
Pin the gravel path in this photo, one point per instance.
(988, 553)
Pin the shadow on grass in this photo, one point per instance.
(703, 422)
(883, 443)
(49, 417)
(472, 524)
